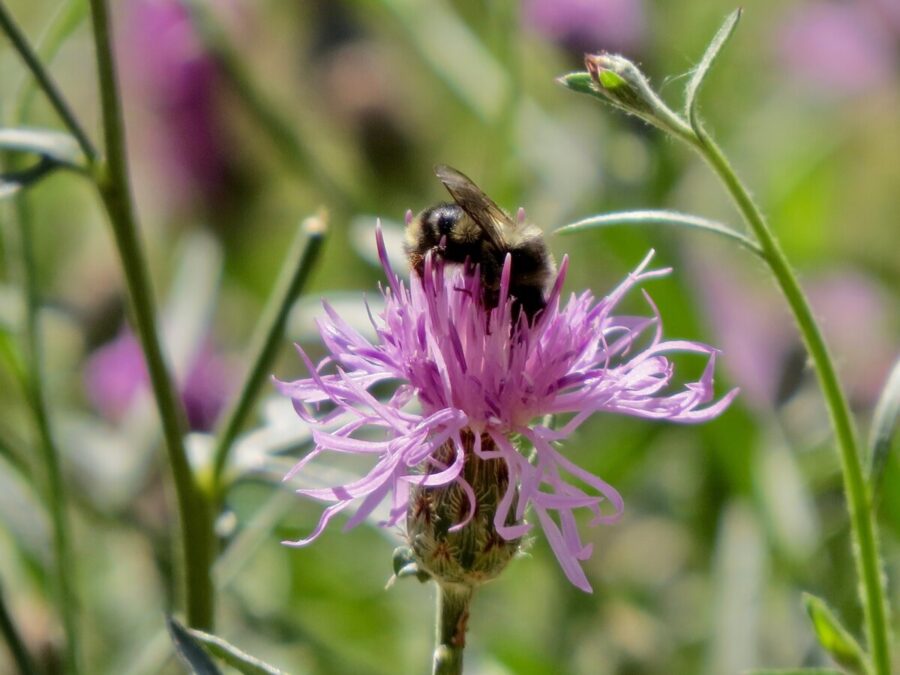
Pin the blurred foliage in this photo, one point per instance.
(727, 524)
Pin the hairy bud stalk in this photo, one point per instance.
(474, 553)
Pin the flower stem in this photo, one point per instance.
(46, 83)
(450, 632)
(113, 184)
(33, 381)
(267, 340)
(859, 500)
(66, 20)
(55, 490)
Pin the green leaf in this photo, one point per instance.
(46, 151)
(191, 653)
(712, 51)
(654, 217)
(834, 638)
(11, 355)
(13, 181)
(56, 146)
(884, 427)
(234, 657)
(580, 82)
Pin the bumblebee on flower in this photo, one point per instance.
(458, 467)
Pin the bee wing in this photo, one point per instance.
(493, 220)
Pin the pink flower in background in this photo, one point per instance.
(588, 25)
(759, 337)
(838, 48)
(493, 377)
(116, 373)
(177, 84)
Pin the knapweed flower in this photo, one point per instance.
(116, 373)
(460, 446)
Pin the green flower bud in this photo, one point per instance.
(475, 553)
(618, 81)
(621, 82)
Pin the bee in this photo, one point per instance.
(473, 230)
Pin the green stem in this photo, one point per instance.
(55, 489)
(859, 500)
(268, 337)
(13, 639)
(452, 619)
(69, 16)
(113, 183)
(46, 83)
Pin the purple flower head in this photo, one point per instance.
(483, 381)
(837, 48)
(116, 373)
(588, 25)
(177, 83)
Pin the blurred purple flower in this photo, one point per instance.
(837, 48)
(177, 82)
(490, 376)
(758, 335)
(116, 373)
(588, 25)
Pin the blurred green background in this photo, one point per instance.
(726, 524)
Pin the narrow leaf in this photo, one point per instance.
(11, 355)
(234, 657)
(712, 51)
(834, 638)
(13, 181)
(191, 653)
(14, 642)
(580, 82)
(56, 146)
(661, 218)
(47, 150)
(884, 426)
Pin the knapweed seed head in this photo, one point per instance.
(459, 447)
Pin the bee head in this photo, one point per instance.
(440, 220)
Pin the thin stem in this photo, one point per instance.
(32, 378)
(268, 337)
(113, 183)
(9, 26)
(452, 618)
(14, 641)
(55, 491)
(859, 500)
(67, 18)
